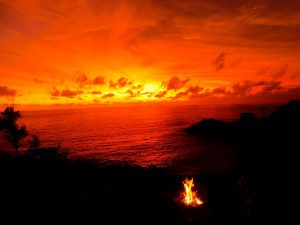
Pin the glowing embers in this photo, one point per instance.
(190, 197)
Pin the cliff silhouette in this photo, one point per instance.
(267, 150)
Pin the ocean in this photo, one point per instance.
(139, 134)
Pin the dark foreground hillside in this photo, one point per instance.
(267, 157)
(43, 184)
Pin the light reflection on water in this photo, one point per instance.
(145, 135)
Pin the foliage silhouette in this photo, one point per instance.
(13, 132)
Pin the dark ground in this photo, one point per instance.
(44, 185)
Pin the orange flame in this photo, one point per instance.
(190, 196)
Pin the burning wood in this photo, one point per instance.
(190, 196)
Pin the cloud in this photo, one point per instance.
(81, 79)
(244, 90)
(194, 91)
(113, 84)
(191, 92)
(219, 62)
(99, 80)
(7, 92)
(131, 93)
(147, 93)
(121, 83)
(247, 87)
(96, 92)
(109, 95)
(280, 72)
(180, 95)
(137, 87)
(271, 92)
(161, 94)
(274, 73)
(70, 93)
(135, 90)
(252, 8)
(271, 87)
(39, 81)
(175, 83)
(54, 92)
(182, 34)
(219, 91)
(65, 93)
(235, 63)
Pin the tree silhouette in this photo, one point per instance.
(34, 142)
(13, 132)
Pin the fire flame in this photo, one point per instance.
(190, 196)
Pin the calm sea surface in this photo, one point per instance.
(144, 135)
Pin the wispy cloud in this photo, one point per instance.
(7, 92)
(219, 62)
(108, 95)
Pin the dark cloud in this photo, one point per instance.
(219, 91)
(70, 93)
(194, 91)
(135, 90)
(99, 80)
(109, 95)
(247, 87)
(131, 93)
(96, 92)
(65, 93)
(137, 87)
(273, 93)
(175, 83)
(7, 92)
(245, 90)
(81, 79)
(180, 95)
(271, 87)
(259, 90)
(191, 92)
(113, 84)
(147, 93)
(121, 83)
(161, 94)
(219, 62)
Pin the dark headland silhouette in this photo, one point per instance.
(268, 161)
(43, 184)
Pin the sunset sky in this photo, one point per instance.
(119, 51)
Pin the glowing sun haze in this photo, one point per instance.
(116, 51)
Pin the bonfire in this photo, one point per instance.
(190, 197)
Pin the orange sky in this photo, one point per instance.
(119, 51)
